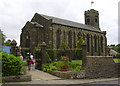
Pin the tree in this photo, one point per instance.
(79, 42)
(64, 46)
(2, 37)
(7, 43)
(118, 48)
(78, 52)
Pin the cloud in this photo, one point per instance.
(17, 12)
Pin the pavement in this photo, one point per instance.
(40, 77)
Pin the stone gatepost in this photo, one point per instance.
(84, 54)
(43, 49)
(38, 57)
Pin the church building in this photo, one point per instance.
(54, 31)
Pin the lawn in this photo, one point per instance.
(77, 61)
(116, 60)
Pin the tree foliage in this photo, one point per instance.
(2, 36)
(64, 46)
(78, 52)
(7, 43)
(79, 42)
(116, 47)
(11, 65)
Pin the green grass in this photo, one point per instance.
(77, 61)
(116, 60)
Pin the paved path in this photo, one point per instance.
(39, 77)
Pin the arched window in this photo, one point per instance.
(95, 43)
(58, 39)
(101, 43)
(88, 21)
(70, 39)
(64, 36)
(96, 20)
(74, 40)
(88, 42)
(83, 36)
(99, 50)
(27, 41)
(79, 35)
(91, 45)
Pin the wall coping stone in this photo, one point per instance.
(19, 78)
(99, 56)
(69, 74)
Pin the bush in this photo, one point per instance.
(118, 55)
(78, 54)
(63, 50)
(11, 65)
(51, 54)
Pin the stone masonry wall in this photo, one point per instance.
(101, 67)
(96, 67)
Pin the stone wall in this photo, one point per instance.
(69, 74)
(96, 67)
(19, 78)
(101, 67)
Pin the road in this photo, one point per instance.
(101, 83)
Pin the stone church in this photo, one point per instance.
(54, 31)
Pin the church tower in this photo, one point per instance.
(92, 18)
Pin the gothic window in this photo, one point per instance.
(79, 35)
(70, 39)
(83, 36)
(99, 46)
(101, 43)
(64, 36)
(88, 42)
(91, 45)
(95, 43)
(58, 39)
(96, 16)
(88, 21)
(96, 20)
(27, 41)
(74, 40)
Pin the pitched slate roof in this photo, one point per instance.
(70, 23)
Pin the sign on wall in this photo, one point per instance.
(6, 49)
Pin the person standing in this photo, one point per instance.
(32, 62)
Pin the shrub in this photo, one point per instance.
(118, 55)
(63, 50)
(78, 52)
(66, 62)
(11, 65)
(48, 67)
(51, 54)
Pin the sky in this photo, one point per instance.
(15, 13)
